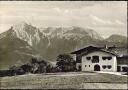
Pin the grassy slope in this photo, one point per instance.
(59, 81)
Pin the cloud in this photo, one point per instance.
(97, 19)
(119, 22)
(101, 21)
(95, 14)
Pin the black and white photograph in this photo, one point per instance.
(63, 45)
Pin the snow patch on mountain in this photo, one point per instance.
(27, 33)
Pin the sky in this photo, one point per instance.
(105, 17)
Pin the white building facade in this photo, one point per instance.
(99, 61)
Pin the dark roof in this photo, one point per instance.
(123, 57)
(122, 60)
(119, 50)
(90, 49)
(102, 51)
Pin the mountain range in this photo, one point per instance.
(24, 41)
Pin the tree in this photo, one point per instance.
(34, 63)
(42, 66)
(38, 66)
(34, 60)
(49, 68)
(16, 70)
(13, 70)
(26, 68)
(65, 63)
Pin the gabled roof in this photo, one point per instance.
(90, 49)
(86, 49)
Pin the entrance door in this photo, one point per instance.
(96, 68)
(79, 68)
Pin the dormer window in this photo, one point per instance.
(88, 58)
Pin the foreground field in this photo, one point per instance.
(78, 80)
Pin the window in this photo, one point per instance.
(78, 59)
(109, 58)
(95, 59)
(104, 58)
(125, 69)
(89, 65)
(85, 65)
(88, 58)
(104, 66)
(109, 66)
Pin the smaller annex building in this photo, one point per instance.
(99, 59)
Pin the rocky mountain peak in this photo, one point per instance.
(70, 32)
(116, 38)
(27, 32)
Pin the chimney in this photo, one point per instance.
(106, 47)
